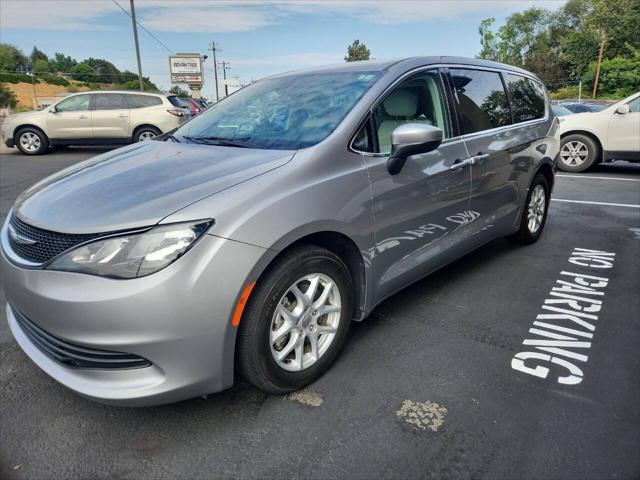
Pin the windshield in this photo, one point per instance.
(283, 113)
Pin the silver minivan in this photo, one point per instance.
(247, 240)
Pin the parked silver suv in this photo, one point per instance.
(94, 118)
(248, 239)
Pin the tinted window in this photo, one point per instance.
(141, 101)
(527, 98)
(482, 101)
(76, 103)
(577, 108)
(363, 141)
(634, 105)
(110, 101)
(287, 112)
(175, 101)
(417, 100)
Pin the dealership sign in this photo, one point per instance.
(186, 68)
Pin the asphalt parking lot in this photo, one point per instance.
(427, 387)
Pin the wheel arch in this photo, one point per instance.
(547, 170)
(589, 134)
(17, 129)
(342, 246)
(144, 125)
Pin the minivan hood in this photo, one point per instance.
(139, 185)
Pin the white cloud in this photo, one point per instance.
(53, 15)
(245, 15)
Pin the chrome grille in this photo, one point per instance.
(74, 356)
(47, 244)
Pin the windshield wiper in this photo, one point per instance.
(223, 141)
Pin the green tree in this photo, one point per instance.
(176, 90)
(619, 76)
(62, 63)
(7, 97)
(12, 59)
(127, 76)
(618, 22)
(37, 54)
(357, 51)
(135, 85)
(488, 40)
(107, 71)
(84, 73)
(41, 66)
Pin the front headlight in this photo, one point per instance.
(133, 255)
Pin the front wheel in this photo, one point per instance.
(31, 141)
(534, 216)
(578, 153)
(296, 321)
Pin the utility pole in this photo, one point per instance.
(135, 39)
(213, 47)
(595, 84)
(225, 67)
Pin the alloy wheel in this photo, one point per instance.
(536, 210)
(146, 135)
(305, 322)
(30, 142)
(574, 153)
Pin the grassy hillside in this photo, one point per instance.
(24, 91)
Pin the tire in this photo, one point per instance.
(145, 133)
(578, 153)
(31, 141)
(256, 349)
(530, 230)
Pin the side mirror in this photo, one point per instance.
(411, 139)
(622, 109)
(53, 110)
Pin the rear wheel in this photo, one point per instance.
(296, 321)
(31, 141)
(534, 216)
(145, 133)
(578, 153)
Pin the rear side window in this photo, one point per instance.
(175, 101)
(527, 98)
(141, 101)
(110, 101)
(482, 100)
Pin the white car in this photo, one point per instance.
(94, 118)
(611, 134)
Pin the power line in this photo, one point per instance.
(145, 29)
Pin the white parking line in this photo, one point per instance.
(628, 205)
(599, 178)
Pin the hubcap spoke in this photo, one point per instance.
(305, 322)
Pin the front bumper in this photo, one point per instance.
(178, 318)
(6, 134)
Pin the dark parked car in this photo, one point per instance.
(584, 107)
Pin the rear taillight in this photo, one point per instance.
(177, 113)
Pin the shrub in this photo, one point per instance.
(7, 97)
(56, 81)
(17, 78)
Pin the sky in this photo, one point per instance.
(256, 38)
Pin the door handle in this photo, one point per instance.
(479, 156)
(462, 163)
(83, 116)
(123, 115)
